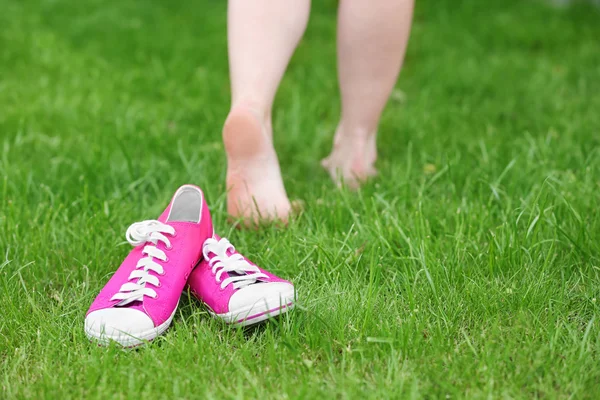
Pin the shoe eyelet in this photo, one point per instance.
(159, 285)
(221, 288)
(169, 247)
(167, 260)
(155, 297)
(174, 234)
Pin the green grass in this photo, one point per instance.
(469, 269)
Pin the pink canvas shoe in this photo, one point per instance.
(139, 301)
(235, 289)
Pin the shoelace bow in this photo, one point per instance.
(224, 259)
(150, 231)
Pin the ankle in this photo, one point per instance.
(260, 111)
(355, 132)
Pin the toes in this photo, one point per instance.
(250, 212)
(372, 172)
(353, 184)
(298, 206)
(253, 221)
(334, 171)
(326, 163)
(344, 173)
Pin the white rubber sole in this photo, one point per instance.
(127, 339)
(259, 311)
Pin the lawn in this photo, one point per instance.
(469, 268)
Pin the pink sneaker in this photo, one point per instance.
(235, 289)
(139, 301)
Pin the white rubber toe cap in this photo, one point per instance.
(268, 295)
(124, 325)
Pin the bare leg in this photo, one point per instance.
(262, 36)
(372, 38)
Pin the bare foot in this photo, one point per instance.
(352, 159)
(255, 188)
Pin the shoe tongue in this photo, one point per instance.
(229, 253)
(236, 272)
(186, 206)
(240, 273)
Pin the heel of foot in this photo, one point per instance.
(243, 134)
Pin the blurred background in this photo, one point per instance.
(469, 268)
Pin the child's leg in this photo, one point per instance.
(372, 38)
(262, 36)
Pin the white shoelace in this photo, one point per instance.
(245, 273)
(150, 231)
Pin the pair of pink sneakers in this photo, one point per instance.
(139, 301)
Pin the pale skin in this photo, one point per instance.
(371, 41)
